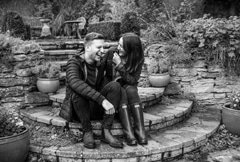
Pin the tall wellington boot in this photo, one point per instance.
(139, 129)
(126, 124)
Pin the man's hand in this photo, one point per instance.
(109, 108)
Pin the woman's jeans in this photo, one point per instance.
(129, 95)
(86, 110)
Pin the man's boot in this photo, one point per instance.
(139, 124)
(126, 124)
(107, 136)
(88, 140)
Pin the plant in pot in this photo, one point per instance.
(14, 138)
(158, 73)
(163, 56)
(157, 66)
(48, 77)
(231, 113)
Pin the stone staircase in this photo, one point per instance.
(172, 129)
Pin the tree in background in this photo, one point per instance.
(222, 8)
(61, 10)
(130, 23)
(13, 23)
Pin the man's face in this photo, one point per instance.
(95, 49)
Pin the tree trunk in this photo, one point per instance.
(233, 9)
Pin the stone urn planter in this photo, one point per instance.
(48, 85)
(15, 147)
(45, 28)
(231, 119)
(159, 80)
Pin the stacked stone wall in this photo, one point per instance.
(207, 82)
(18, 84)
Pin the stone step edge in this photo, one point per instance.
(59, 52)
(144, 98)
(150, 153)
(58, 42)
(70, 42)
(152, 122)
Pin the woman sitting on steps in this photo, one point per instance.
(128, 59)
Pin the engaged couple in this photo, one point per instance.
(94, 79)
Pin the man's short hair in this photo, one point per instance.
(92, 36)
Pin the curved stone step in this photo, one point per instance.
(148, 95)
(162, 144)
(159, 116)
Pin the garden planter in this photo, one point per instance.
(48, 85)
(15, 148)
(231, 119)
(159, 80)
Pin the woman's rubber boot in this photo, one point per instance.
(126, 124)
(139, 129)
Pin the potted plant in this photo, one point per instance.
(14, 138)
(158, 73)
(48, 77)
(157, 66)
(162, 57)
(231, 114)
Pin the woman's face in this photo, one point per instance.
(120, 48)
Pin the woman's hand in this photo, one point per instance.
(116, 58)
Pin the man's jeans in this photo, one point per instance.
(86, 110)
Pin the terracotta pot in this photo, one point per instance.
(231, 119)
(159, 80)
(48, 85)
(15, 147)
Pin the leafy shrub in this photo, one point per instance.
(164, 55)
(10, 124)
(13, 23)
(109, 29)
(16, 45)
(130, 23)
(235, 100)
(150, 10)
(10, 45)
(47, 70)
(159, 33)
(217, 40)
(119, 8)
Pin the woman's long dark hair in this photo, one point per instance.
(132, 45)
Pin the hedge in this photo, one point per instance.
(109, 29)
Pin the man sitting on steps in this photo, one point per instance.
(89, 95)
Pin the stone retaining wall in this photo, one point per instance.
(210, 86)
(206, 82)
(18, 84)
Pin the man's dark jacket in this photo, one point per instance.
(76, 83)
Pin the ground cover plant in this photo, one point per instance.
(10, 124)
